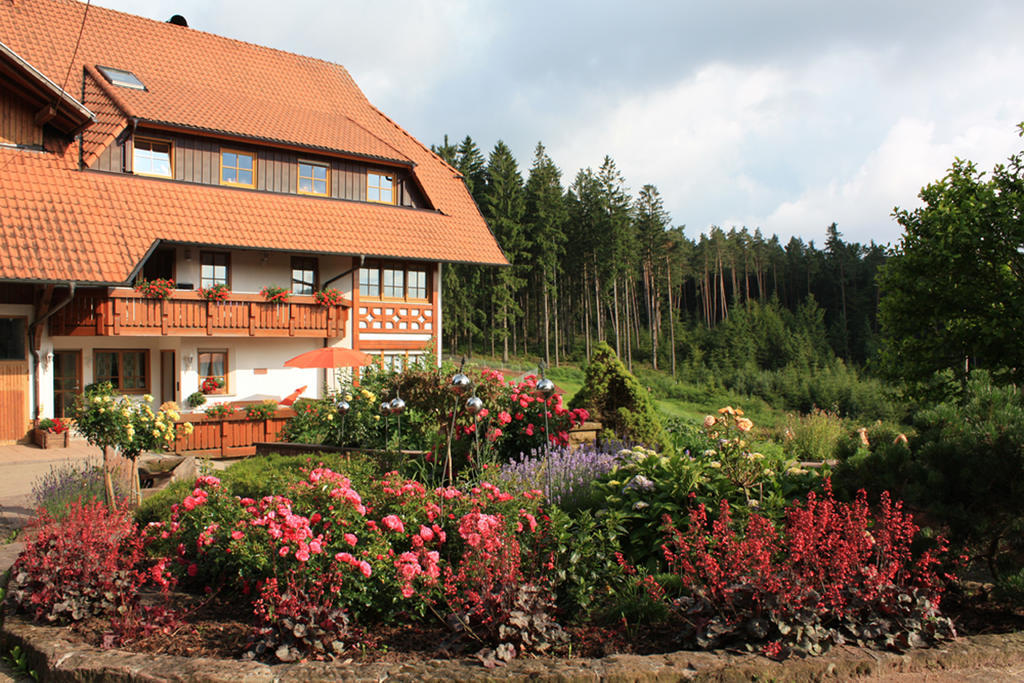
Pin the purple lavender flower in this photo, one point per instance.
(565, 476)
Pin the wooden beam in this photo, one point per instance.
(45, 115)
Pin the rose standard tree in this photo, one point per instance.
(129, 427)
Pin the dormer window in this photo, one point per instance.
(121, 78)
(152, 157)
(380, 187)
(313, 178)
(237, 168)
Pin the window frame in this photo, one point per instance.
(227, 267)
(147, 375)
(153, 141)
(405, 268)
(24, 339)
(316, 273)
(394, 185)
(224, 390)
(312, 179)
(239, 152)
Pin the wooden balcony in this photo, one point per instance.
(125, 312)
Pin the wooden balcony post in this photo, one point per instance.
(293, 311)
(165, 316)
(252, 319)
(209, 318)
(100, 309)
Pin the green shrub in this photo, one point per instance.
(272, 474)
(157, 507)
(972, 450)
(69, 482)
(814, 437)
(619, 401)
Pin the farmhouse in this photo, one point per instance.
(136, 151)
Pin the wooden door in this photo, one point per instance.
(168, 378)
(67, 381)
(14, 381)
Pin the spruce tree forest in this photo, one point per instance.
(596, 261)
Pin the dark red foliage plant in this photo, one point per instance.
(91, 563)
(836, 572)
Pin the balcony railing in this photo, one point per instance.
(125, 312)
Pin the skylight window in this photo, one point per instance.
(125, 79)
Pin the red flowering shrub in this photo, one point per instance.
(836, 572)
(89, 563)
(302, 618)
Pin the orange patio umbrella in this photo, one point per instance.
(330, 357)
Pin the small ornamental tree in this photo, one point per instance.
(130, 427)
(618, 400)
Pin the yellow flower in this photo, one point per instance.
(715, 465)
(743, 424)
(188, 428)
(728, 410)
(147, 398)
(156, 433)
(330, 417)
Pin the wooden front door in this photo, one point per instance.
(168, 378)
(67, 381)
(14, 381)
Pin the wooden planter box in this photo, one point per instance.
(230, 437)
(45, 439)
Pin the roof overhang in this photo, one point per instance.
(53, 105)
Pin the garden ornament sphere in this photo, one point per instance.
(545, 387)
(461, 384)
(385, 408)
(343, 407)
(397, 406)
(474, 405)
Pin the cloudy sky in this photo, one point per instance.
(783, 114)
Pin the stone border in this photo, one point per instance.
(57, 659)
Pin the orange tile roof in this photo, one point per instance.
(61, 224)
(204, 82)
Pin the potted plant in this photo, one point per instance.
(219, 411)
(159, 288)
(51, 433)
(217, 292)
(327, 297)
(196, 399)
(277, 295)
(210, 385)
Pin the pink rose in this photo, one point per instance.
(283, 551)
(351, 539)
(193, 569)
(237, 535)
(426, 534)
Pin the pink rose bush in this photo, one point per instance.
(400, 547)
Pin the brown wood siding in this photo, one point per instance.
(197, 160)
(17, 122)
(112, 159)
(14, 408)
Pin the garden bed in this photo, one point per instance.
(56, 654)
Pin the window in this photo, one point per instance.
(380, 187)
(13, 338)
(152, 157)
(127, 370)
(369, 282)
(125, 79)
(313, 178)
(394, 281)
(304, 274)
(214, 269)
(237, 168)
(213, 372)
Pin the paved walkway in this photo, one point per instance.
(21, 466)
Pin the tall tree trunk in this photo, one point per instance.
(555, 292)
(586, 311)
(504, 333)
(671, 315)
(615, 317)
(547, 323)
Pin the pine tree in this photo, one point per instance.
(546, 215)
(503, 206)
